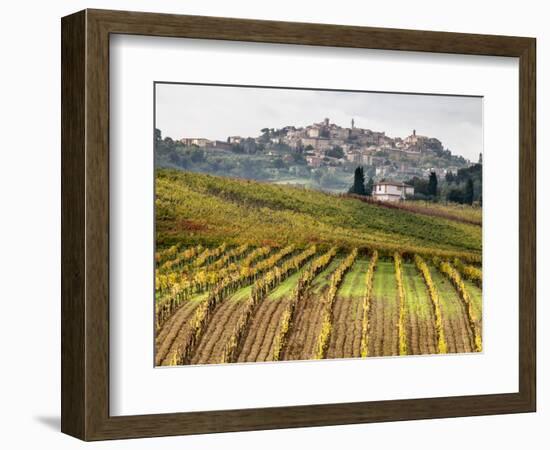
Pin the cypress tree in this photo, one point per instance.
(358, 182)
(432, 185)
(469, 192)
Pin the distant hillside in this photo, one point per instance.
(320, 156)
(192, 207)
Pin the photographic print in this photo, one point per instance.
(304, 224)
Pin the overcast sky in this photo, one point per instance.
(216, 112)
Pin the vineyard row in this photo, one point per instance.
(263, 270)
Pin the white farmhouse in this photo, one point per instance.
(388, 191)
(199, 142)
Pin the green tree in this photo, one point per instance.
(358, 182)
(469, 192)
(336, 152)
(266, 134)
(278, 163)
(369, 185)
(197, 156)
(449, 177)
(432, 184)
(299, 159)
(455, 195)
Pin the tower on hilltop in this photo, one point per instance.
(352, 123)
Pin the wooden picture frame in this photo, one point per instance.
(85, 224)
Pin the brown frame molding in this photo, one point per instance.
(85, 224)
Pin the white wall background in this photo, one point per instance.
(30, 225)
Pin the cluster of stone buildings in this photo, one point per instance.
(353, 145)
(206, 143)
(359, 144)
(320, 137)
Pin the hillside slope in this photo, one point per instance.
(192, 207)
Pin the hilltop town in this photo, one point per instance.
(322, 155)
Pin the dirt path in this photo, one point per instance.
(272, 327)
(458, 334)
(421, 332)
(174, 332)
(220, 328)
(305, 329)
(258, 343)
(345, 338)
(384, 312)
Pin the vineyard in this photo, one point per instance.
(250, 272)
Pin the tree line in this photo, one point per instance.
(464, 187)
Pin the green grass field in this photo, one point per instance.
(384, 311)
(285, 288)
(465, 212)
(353, 285)
(321, 281)
(196, 208)
(416, 292)
(421, 333)
(384, 281)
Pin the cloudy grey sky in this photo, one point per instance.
(216, 112)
